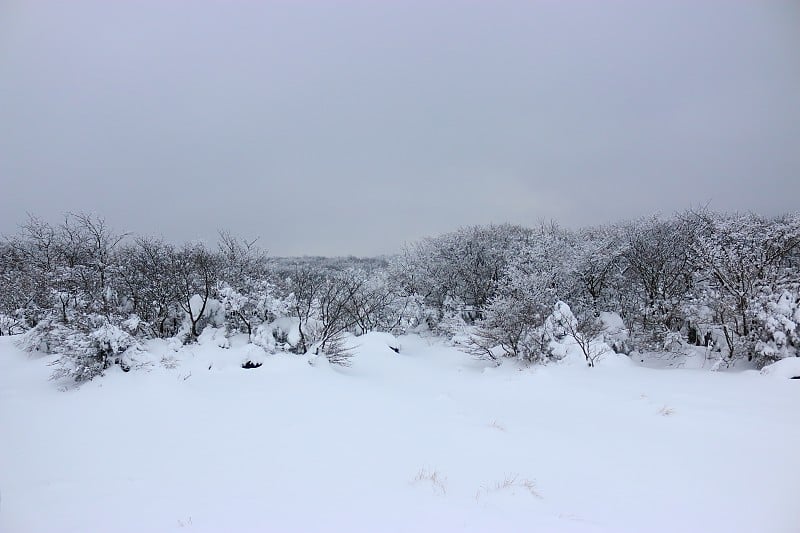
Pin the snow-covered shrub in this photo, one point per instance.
(511, 327)
(280, 335)
(336, 350)
(264, 336)
(196, 270)
(322, 305)
(248, 296)
(658, 278)
(513, 324)
(11, 325)
(451, 322)
(560, 322)
(44, 337)
(85, 349)
(725, 281)
(213, 336)
(777, 323)
(597, 268)
(585, 331)
(254, 357)
(246, 309)
(148, 285)
(749, 262)
(408, 313)
(465, 265)
(614, 332)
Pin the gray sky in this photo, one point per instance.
(353, 127)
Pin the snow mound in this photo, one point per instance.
(253, 356)
(213, 337)
(785, 368)
(377, 343)
(615, 332)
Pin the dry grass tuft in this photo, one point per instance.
(437, 481)
(510, 482)
(496, 425)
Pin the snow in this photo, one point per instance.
(427, 439)
(785, 368)
(214, 337)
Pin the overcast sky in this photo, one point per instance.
(353, 127)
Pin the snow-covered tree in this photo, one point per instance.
(777, 325)
(150, 286)
(465, 265)
(584, 330)
(728, 281)
(659, 275)
(750, 268)
(512, 324)
(598, 268)
(197, 272)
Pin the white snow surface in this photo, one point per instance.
(427, 439)
(785, 368)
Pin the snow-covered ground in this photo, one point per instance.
(424, 440)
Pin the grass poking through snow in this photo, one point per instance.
(437, 481)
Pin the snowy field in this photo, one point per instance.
(425, 440)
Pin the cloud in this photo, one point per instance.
(338, 128)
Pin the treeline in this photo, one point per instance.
(727, 281)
